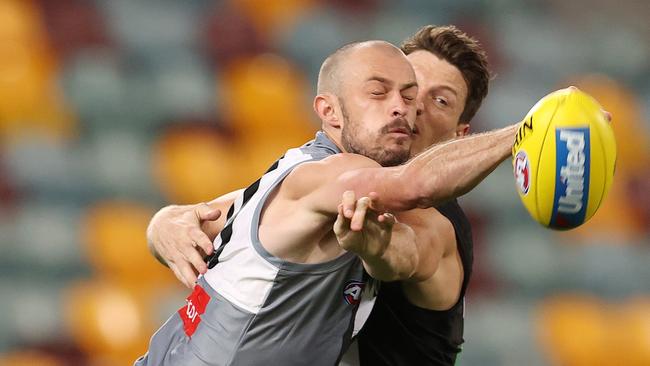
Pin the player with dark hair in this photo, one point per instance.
(419, 321)
(367, 104)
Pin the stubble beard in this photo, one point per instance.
(352, 144)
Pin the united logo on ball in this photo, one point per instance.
(522, 172)
(571, 177)
(563, 158)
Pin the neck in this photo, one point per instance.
(335, 140)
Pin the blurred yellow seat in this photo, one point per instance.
(267, 101)
(195, 165)
(573, 330)
(271, 17)
(109, 322)
(29, 98)
(631, 330)
(266, 94)
(116, 246)
(20, 20)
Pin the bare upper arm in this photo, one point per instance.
(439, 277)
(320, 185)
(432, 238)
(310, 195)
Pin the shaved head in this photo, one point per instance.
(366, 100)
(333, 69)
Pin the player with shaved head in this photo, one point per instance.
(278, 288)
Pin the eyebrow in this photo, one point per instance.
(377, 78)
(446, 87)
(408, 85)
(386, 81)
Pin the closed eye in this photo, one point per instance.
(409, 101)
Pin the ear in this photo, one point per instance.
(462, 129)
(325, 107)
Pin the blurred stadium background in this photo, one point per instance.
(111, 109)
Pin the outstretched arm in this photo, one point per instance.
(451, 169)
(442, 172)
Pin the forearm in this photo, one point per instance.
(442, 172)
(451, 169)
(400, 259)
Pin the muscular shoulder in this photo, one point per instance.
(444, 229)
(308, 177)
(435, 237)
(431, 223)
(439, 281)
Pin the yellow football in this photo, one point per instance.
(564, 157)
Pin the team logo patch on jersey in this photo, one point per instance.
(522, 172)
(352, 292)
(191, 312)
(571, 177)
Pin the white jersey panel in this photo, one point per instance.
(243, 276)
(363, 312)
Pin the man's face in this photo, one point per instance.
(378, 105)
(441, 96)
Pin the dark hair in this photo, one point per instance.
(454, 46)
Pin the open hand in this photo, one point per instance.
(176, 238)
(361, 226)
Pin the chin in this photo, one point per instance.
(398, 144)
(394, 157)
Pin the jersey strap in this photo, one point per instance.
(226, 233)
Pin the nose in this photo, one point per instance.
(420, 108)
(399, 107)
